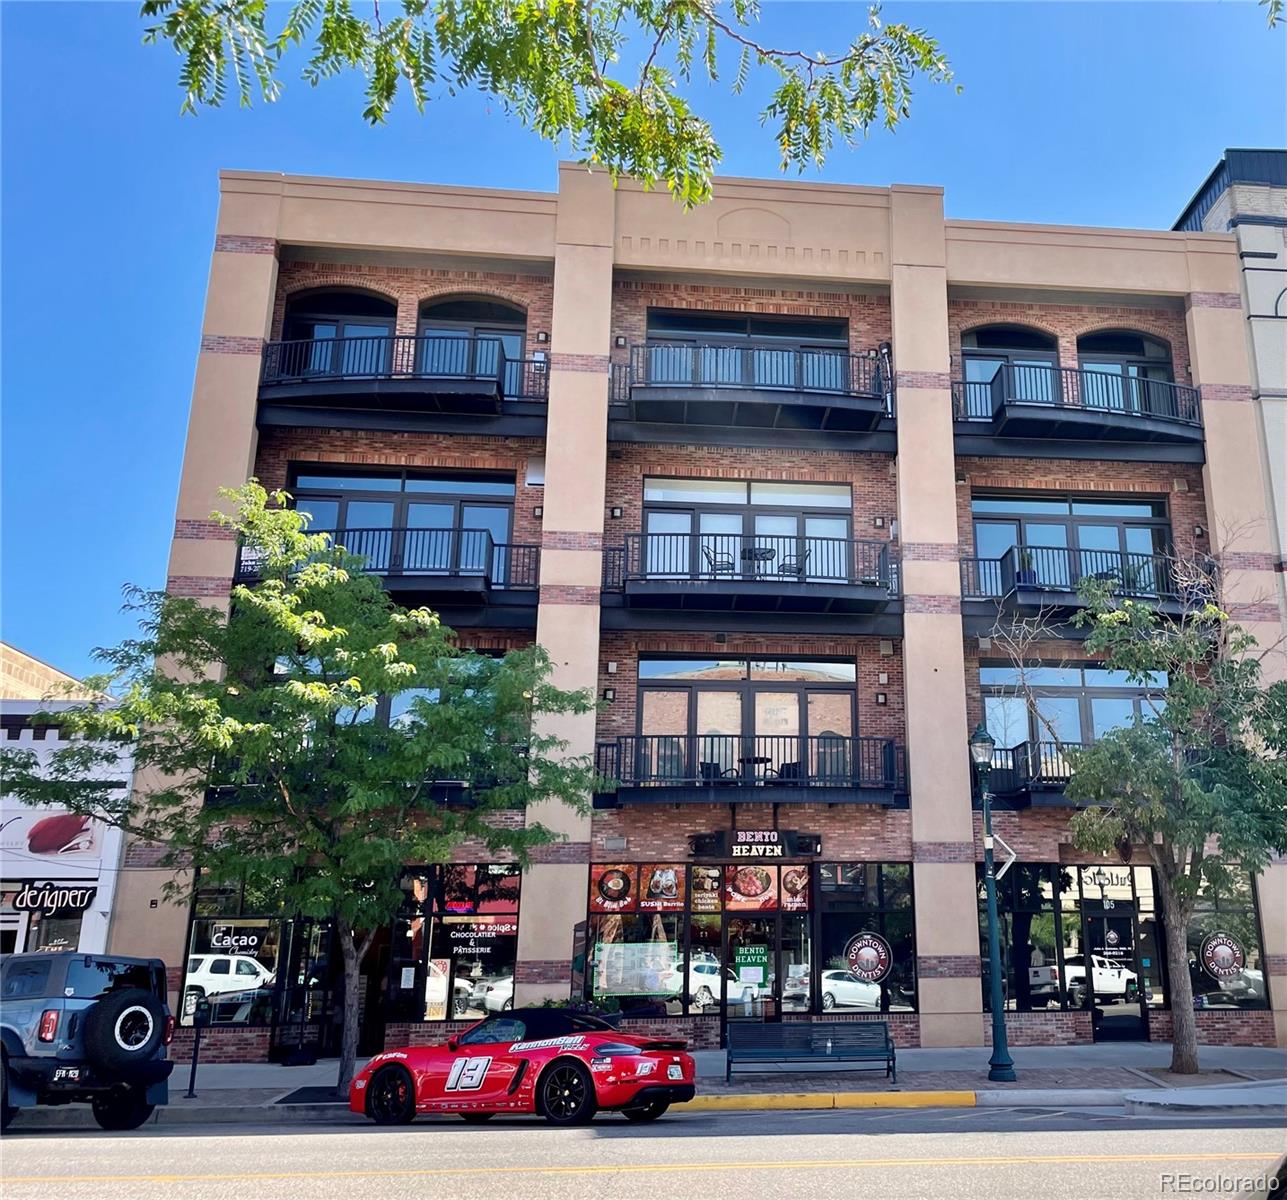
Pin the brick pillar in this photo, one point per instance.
(942, 832)
(567, 624)
(220, 453)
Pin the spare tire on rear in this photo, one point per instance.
(124, 1028)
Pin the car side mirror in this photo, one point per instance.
(453, 1044)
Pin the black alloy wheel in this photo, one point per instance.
(567, 1094)
(121, 1109)
(649, 1112)
(391, 1096)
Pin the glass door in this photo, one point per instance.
(774, 752)
(662, 755)
(429, 544)
(720, 544)
(668, 546)
(830, 725)
(993, 540)
(492, 343)
(1112, 976)
(718, 724)
(776, 549)
(368, 531)
(484, 535)
(751, 951)
(1046, 554)
(1099, 554)
(826, 552)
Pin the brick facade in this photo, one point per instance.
(1043, 1029)
(1220, 1027)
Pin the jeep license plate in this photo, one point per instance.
(70, 1074)
(674, 1071)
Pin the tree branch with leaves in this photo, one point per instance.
(604, 77)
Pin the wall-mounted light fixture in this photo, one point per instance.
(612, 668)
(616, 512)
(887, 649)
(1199, 531)
(542, 336)
(619, 341)
(985, 643)
(883, 677)
(882, 698)
(878, 522)
(538, 510)
(609, 693)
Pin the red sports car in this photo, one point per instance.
(562, 1065)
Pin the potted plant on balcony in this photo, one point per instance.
(1026, 575)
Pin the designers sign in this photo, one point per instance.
(51, 897)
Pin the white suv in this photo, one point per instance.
(217, 974)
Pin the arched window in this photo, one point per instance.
(1127, 372)
(1027, 357)
(338, 333)
(469, 337)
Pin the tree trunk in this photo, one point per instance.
(349, 1038)
(1184, 1025)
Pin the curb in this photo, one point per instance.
(815, 1100)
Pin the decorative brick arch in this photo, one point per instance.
(1146, 324)
(342, 278)
(462, 292)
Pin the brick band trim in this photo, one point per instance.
(949, 605)
(1245, 560)
(569, 593)
(244, 243)
(199, 585)
(949, 966)
(1234, 392)
(1214, 300)
(217, 343)
(203, 531)
(562, 852)
(924, 379)
(543, 970)
(591, 364)
(1266, 612)
(943, 852)
(560, 539)
(931, 551)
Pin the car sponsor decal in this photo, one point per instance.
(467, 1074)
(570, 1042)
(388, 1054)
(600, 1064)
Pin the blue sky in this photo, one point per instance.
(1108, 113)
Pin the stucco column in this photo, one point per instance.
(220, 452)
(567, 623)
(947, 947)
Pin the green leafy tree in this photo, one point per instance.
(255, 733)
(604, 76)
(1201, 780)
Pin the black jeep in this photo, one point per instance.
(84, 1027)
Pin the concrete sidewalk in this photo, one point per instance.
(1130, 1076)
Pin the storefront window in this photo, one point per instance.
(232, 964)
(1226, 963)
(751, 939)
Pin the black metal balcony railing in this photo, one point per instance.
(1075, 388)
(480, 360)
(735, 558)
(763, 761)
(1064, 569)
(430, 553)
(1031, 765)
(750, 367)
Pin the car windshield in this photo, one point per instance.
(495, 1029)
(94, 977)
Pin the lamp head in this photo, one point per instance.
(982, 744)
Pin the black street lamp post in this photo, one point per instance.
(982, 745)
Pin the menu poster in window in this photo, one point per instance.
(497, 888)
(750, 888)
(614, 887)
(661, 888)
(708, 889)
(795, 889)
(458, 888)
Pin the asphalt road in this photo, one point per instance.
(998, 1154)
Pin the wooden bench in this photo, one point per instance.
(819, 1042)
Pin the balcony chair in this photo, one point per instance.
(719, 563)
(794, 565)
(788, 775)
(711, 774)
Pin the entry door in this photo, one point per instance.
(751, 954)
(491, 343)
(993, 540)
(668, 545)
(720, 543)
(1112, 974)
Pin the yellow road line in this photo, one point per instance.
(634, 1168)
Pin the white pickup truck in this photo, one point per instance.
(1109, 978)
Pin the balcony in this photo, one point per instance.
(1032, 773)
(472, 578)
(463, 384)
(728, 768)
(752, 395)
(772, 583)
(1028, 580)
(1024, 408)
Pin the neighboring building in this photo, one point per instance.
(58, 870)
(760, 475)
(1246, 195)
